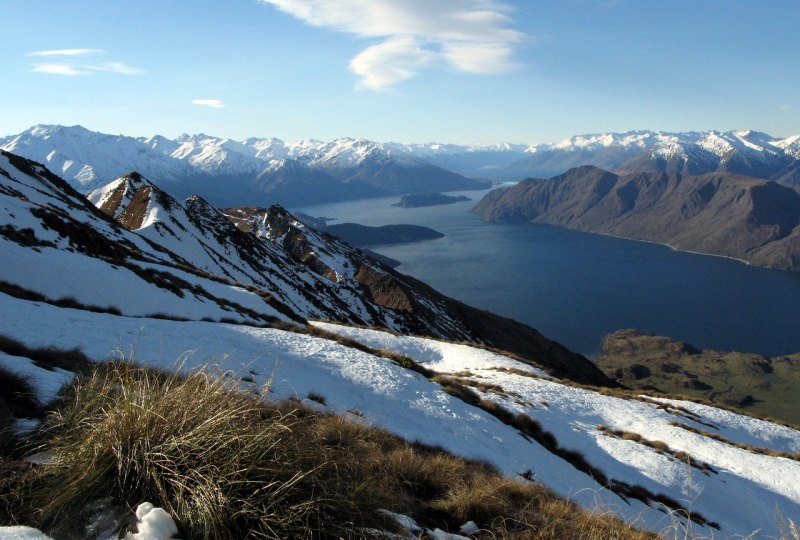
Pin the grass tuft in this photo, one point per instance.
(227, 464)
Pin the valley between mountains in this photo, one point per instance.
(133, 266)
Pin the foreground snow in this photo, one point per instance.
(741, 496)
(152, 524)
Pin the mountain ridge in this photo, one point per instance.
(89, 159)
(757, 221)
(266, 171)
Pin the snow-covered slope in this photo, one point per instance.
(54, 243)
(316, 276)
(739, 493)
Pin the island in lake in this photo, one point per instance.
(428, 199)
(364, 235)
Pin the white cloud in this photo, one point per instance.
(72, 63)
(390, 62)
(116, 67)
(468, 35)
(59, 69)
(65, 52)
(215, 103)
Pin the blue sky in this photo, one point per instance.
(464, 71)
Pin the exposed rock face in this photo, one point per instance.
(719, 213)
(384, 290)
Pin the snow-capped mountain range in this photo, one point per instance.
(265, 171)
(133, 271)
(744, 152)
(227, 172)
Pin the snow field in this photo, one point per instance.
(742, 496)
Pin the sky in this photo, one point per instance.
(458, 71)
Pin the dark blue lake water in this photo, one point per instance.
(576, 287)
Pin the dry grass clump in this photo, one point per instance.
(223, 463)
(226, 464)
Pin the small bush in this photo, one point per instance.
(409, 363)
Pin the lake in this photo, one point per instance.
(576, 287)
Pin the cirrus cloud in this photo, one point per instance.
(65, 52)
(76, 62)
(467, 35)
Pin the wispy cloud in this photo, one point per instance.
(468, 35)
(214, 103)
(76, 62)
(59, 69)
(65, 52)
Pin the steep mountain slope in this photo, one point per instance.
(189, 261)
(317, 277)
(57, 247)
(723, 214)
